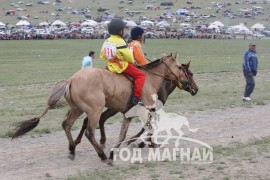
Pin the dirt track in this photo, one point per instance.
(47, 156)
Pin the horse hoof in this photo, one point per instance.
(110, 162)
(71, 156)
(142, 145)
(72, 149)
(107, 161)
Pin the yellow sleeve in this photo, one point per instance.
(125, 54)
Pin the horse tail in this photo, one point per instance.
(60, 89)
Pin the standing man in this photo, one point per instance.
(87, 61)
(250, 64)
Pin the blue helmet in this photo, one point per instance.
(136, 32)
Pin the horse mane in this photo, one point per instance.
(153, 63)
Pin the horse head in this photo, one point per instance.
(172, 67)
(180, 75)
(187, 81)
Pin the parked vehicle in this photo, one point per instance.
(87, 30)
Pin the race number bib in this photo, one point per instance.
(109, 50)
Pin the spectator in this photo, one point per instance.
(87, 61)
(250, 64)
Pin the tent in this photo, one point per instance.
(215, 25)
(241, 28)
(2, 24)
(147, 23)
(91, 23)
(58, 23)
(131, 24)
(22, 23)
(257, 27)
(43, 24)
(163, 23)
(181, 12)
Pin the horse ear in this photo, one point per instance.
(163, 54)
(188, 64)
(175, 55)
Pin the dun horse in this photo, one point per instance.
(90, 90)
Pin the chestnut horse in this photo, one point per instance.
(90, 90)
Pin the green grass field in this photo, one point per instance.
(29, 70)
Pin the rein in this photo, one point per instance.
(179, 84)
(186, 74)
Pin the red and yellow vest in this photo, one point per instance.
(116, 53)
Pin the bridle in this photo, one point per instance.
(176, 81)
(187, 76)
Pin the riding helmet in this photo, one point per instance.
(115, 26)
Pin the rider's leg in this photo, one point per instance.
(139, 79)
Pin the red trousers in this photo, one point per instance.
(138, 77)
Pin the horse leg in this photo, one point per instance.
(84, 126)
(134, 138)
(104, 116)
(151, 143)
(67, 124)
(122, 135)
(90, 134)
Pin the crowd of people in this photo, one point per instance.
(158, 35)
(34, 36)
